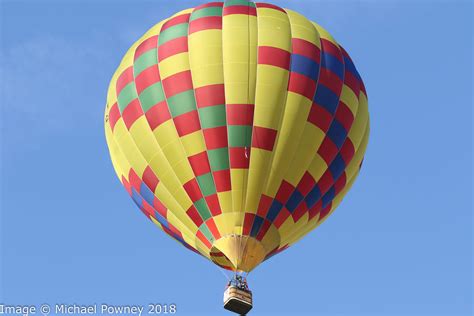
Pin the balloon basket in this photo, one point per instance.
(237, 300)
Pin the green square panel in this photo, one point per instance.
(127, 95)
(239, 135)
(219, 158)
(151, 96)
(212, 116)
(181, 103)
(144, 61)
(229, 3)
(203, 210)
(210, 11)
(206, 232)
(206, 183)
(173, 32)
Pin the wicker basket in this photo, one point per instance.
(237, 300)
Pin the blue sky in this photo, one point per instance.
(399, 244)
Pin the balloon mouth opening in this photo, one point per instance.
(238, 253)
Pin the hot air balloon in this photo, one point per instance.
(237, 128)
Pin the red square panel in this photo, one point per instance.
(239, 157)
(192, 189)
(194, 215)
(132, 112)
(187, 123)
(222, 180)
(328, 150)
(200, 163)
(150, 179)
(157, 115)
(213, 204)
(263, 138)
(215, 137)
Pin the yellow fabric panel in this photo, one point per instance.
(175, 188)
(205, 57)
(173, 65)
(225, 222)
(270, 96)
(165, 133)
(160, 166)
(323, 34)
(144, 139)
(302, 28)
(271, 239)
(193, 143)
(225, 201)
(175, 154)
(183, 171)
(238, 179)
(114, 152)
(239, 52)
(353, 166)
(260, 162)
(360, 121)
(167, 177)
(350, 99)
(238, 222)
(317, 167)
(292, 127)
(308, 145)
(273, 29)
(130, 150)
(229, 223)
(120, 129)
(209, 75)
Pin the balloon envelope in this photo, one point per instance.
(237, 128)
